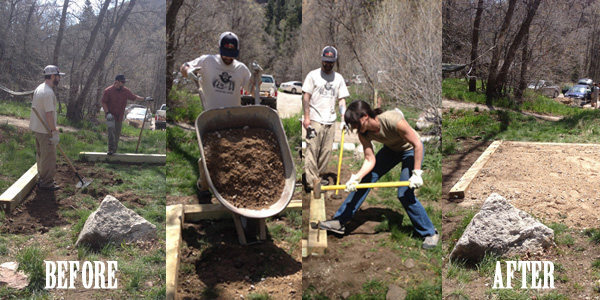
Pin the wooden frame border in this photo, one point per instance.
(175, 219)
(136, 158)
(459, 189)
(16, 193)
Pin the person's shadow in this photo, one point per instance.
(376, 214)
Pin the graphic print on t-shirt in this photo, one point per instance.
(327, 90)
(224, 84)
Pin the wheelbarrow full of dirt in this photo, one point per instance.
(253, 117)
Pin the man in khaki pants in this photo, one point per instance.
(322, 88)
(44, 102)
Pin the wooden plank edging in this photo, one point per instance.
(458, 190)
(17, 192)
(175, 219)
(123, 157)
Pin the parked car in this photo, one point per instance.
(268, 87)
(160, 119)
(580, 92)
(294, 87)
(546, 88)
(136, 117)
(129, 107)
(585, 81)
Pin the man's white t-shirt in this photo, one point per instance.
(44, 101)
(221, 84)
(325, 90)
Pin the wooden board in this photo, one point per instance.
(17, 192)
(131, 158)
(304, 248)
(197, 212)
(458, 190)
(551, 144)
(317, 238)
(175, 218)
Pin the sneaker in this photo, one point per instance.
(333, 226)
(431, 241)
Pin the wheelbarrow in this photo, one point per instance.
(253, 117)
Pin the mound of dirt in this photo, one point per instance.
(245, 166)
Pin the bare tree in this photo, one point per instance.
(474, 45)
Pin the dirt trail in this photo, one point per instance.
(24, 123)
(447, 103)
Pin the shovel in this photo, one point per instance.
(82, 181)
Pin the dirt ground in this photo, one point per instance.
(218, 267)
(39, 211)
(556, 183)
(576, 278)
(357, 257)
(245, 166)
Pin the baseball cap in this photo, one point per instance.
(52, 70)
(120, 77)
(229, 44)
(329, 54)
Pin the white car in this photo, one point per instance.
(267, 86)
(136, 117)
(294, 87)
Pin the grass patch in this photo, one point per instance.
(31, 261)
(259, 296)
(185, 106)
(593, 234)
(460, 229)
(425, 291)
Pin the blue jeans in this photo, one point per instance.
(386, 159)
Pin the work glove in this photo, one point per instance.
(344, 126)
(148, 99)
(351, 183)
(415, 181)
(109, 117)
(54, 139)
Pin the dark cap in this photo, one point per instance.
(229, 44)
(330, 54)
(120, 77)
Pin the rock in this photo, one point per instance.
(112, 222)
(409, 263)
(10, 277)
(395, 293)
(502, 229)
(345, 295)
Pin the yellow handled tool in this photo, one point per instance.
(318, 188)
(337, 181)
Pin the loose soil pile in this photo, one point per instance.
(556, 183)
(245, 166)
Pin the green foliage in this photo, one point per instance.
(31, 261)
(460, 229)
(425, 291)
(259, 296)
(311, 293)
(185, 106)
(593, 234)
(561, 235)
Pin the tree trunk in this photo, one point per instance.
(492, 91)
(172, 10)
(75, 108)
(474, 44)
(593, 54)
(25, 51)
(510, 55)
(524, 63)
(59, 37)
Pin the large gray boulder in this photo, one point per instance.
(502, 229)
(112, 222)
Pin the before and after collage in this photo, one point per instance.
(299, 149)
